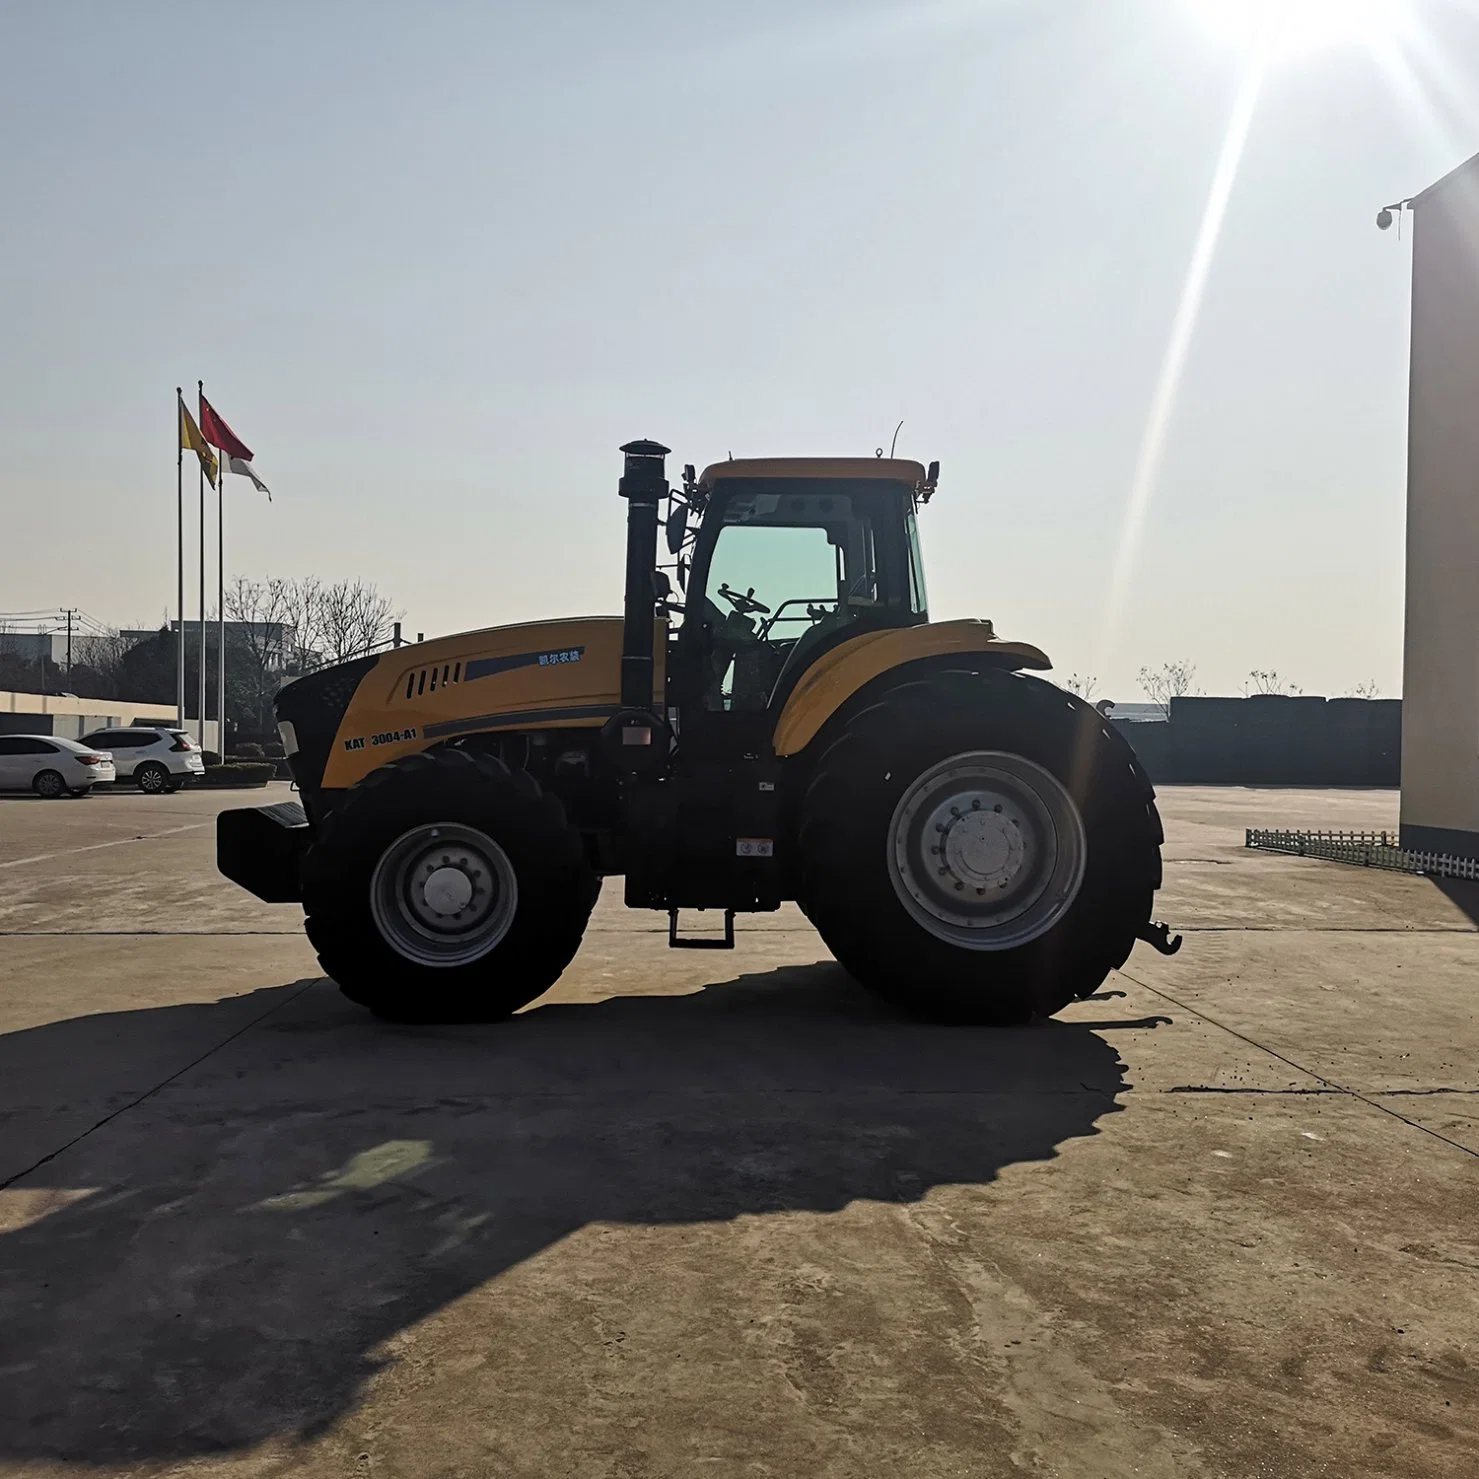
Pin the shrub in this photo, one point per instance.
(210, 758)
(239, 773)
(248, 750)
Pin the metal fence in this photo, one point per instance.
(1365, 849)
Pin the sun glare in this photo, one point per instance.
(1287, 27)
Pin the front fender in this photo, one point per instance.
(842, 671)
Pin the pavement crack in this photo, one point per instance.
(1418, 1093)
(66, 852)
(1327, 929)
(1371, 1099)
(134, 1103)
(133, 934)
(1225, 1089)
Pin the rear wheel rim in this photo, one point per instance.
(151, 778)
(986, 850)
(443, 894)
(49, 784)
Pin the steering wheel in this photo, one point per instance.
(743, 601)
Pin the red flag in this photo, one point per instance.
(238, 455)
(218, 434)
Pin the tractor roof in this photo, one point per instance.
(872, 469)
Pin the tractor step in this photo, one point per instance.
(701, 942)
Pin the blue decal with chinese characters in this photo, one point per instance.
(486, 667)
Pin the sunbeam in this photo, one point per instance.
(1183, 327)
(1417, 106)
(1422, 77)
(1288, 28)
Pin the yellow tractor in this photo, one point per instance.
(784, 723)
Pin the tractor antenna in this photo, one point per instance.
(895, 441)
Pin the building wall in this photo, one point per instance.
(71, 718)
(32, 646)
(1440, 685)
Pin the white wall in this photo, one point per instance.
(1440, 683)
(73, 717)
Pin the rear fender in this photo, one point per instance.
(841, 673)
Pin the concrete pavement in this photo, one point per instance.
(722, 1215)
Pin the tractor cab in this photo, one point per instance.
(778, 561)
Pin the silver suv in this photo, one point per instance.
(156, 760)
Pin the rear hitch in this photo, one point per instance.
(1158, 937)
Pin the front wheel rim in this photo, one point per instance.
(443, 895)
(986, 850)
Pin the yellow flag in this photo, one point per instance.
(192, 441)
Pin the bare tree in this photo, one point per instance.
(1170, 680)
(259, 608)
(1265, 680)
(1368, 689)
(256, 664)
(1084, 687)
(312, 623)
(302, 602)
(354, 618)
(98, 665)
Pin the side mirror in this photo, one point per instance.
(677, 527)
(662, 587)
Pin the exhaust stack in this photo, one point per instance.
(644, 481)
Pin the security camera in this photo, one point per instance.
(1384, 219)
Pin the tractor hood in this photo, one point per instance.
(549, 674)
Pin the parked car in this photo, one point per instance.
(156, 760)
(51, 766)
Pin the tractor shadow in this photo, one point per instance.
(1462, 893)
(223, 1262)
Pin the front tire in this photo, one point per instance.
(979, 847)
(446, 887)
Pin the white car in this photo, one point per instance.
(155, 759)
(51, 766)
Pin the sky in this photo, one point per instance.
(436, 262)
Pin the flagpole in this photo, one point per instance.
(180, 555)
(200, 386)
(221, 602)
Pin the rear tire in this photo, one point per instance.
(152, 778)
(49, 785)
(447, 888)
(979, 847)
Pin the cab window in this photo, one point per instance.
(786, 572)
(918, 600)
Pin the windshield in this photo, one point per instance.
(783, 567)
(786, 573)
